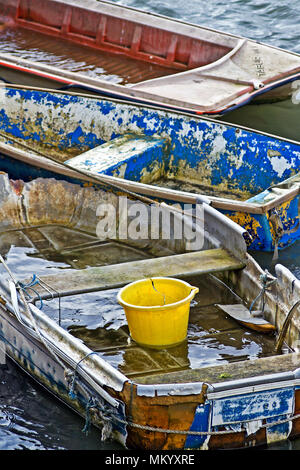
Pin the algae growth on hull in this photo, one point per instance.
(199, 188)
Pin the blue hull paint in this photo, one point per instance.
(203, 151)
(244, 413)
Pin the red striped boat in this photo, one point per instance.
(193, 68)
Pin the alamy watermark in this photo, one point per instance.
(129, 220)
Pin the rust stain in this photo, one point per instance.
(165, 412)
(17, 186)
(237, 440)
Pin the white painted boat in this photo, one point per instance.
(224, 386)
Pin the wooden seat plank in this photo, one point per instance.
(112, 276)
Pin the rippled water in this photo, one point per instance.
(274, 22)
(30, 418)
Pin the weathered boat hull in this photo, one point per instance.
(229, 419)
(256, 172)
(235, 405)
(203, 61)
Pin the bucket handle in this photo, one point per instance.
(164, 297)
(195, 290)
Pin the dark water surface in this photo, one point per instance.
(29, 417)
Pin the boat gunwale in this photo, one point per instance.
(137, 96)
(50, 325)
(148, 106)
(148, 189)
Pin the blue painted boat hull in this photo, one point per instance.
(257, 172)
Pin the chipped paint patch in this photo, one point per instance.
(253, 407)
(281, 164)
(248, 221)
(279, 432)
(219, 145)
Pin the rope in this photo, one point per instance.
(72, 393)
(50, 290)
(90, 404)
(34, 281)
(35, 326)
(227, 287)
(285, 326)
(195, 433)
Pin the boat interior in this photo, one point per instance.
(56, 52)
(124, 32)
(79, 276)
(123, 142)
(149, 161)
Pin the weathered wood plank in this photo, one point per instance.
(226, 372)
(108, 277)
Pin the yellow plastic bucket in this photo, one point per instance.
(157, 310)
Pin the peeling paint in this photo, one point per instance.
(219, 158)
(281, 164)
(250, 222)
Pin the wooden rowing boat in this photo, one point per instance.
(250, 176)
(199, 70)
(222, 387)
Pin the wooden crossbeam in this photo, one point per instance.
(117, 275)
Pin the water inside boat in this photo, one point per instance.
(64, 54)
(99, 321)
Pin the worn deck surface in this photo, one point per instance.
(230, 371)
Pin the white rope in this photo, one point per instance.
(198, 433)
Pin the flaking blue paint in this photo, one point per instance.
(243, 412)
(200, 424)
(242, 159)
(283, 429)
(253, 406)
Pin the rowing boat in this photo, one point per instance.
(193, 68)
(250, 176)
(223, 386)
